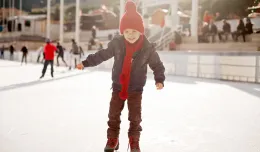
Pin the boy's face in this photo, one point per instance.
(131, 35)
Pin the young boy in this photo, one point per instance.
(132, 53)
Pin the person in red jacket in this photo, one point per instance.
(49, 51)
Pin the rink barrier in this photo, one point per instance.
(230, 66)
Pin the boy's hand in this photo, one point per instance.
(80, 66)
(159, 86)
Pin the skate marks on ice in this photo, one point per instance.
(28, 75)
(9, 66)
(39, 81)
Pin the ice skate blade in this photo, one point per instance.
(112, 150)
(109, 150)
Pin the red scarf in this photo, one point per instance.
(126, 70)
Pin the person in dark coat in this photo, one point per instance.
(11, 49)
(24, 50)
(240, 31)
(60, 51)
(132, 52)
(2, 52)
(226, 31)
(249, 27)
(212, 30)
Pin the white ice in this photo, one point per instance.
(69, 113)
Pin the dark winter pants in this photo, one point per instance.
(2, 55)
(46, 63)
(239, 33)
(11, 55)
(225, 34)
(24, 58)
(134, 115)
(62, 57)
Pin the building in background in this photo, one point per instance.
(7, 12)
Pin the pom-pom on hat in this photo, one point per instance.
(131, 18)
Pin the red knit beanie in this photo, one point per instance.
(131, 19)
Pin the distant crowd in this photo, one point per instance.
(208, 31)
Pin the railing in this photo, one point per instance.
(154, 34)
(151, 3)
(20, 36)
(230, 66)
(164, 41)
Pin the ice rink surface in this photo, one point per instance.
(69, 113)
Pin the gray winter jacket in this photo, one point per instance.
(146, 56)
(75, 49)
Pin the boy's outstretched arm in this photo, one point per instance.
(158, 69)
(100, 56)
